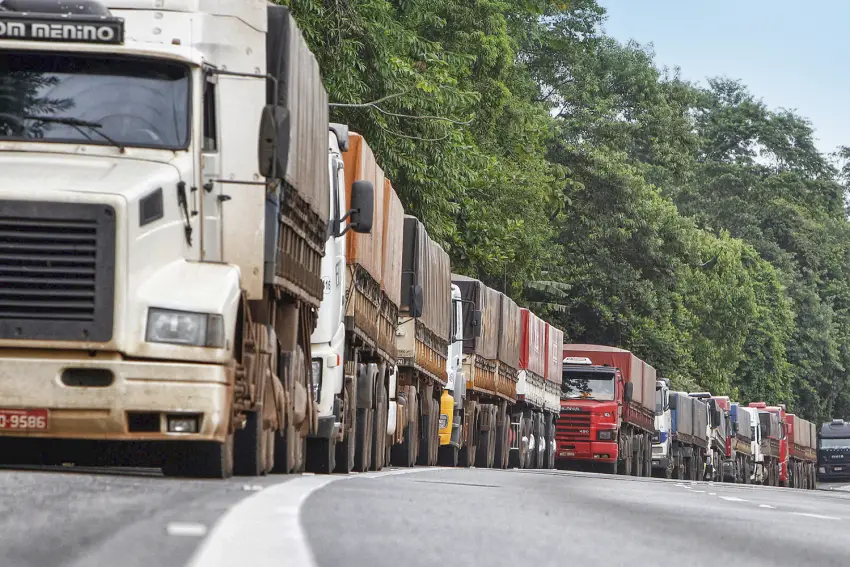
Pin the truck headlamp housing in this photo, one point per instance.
(316, 367)
(607, 435)
(185, 328)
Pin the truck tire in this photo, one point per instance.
(426, 441)
(321, 455)
(503, 446)
(404, 454)
(448, 456)
(346, 450)
(379, 439)
(250, 447)
(201, 459)
(365, 440)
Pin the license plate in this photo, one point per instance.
(24, 419)
(838, 469)
(568, 453)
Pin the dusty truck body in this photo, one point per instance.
(607, 410)
(552, 395)
(771, 434)
(782, 419)
(802, 453)
(354, 344)
(491, 356)
(689, 439)
(180, 266)
(422, 341)
(745, 445)
(834, 451)
(529, 414)
(718, 434)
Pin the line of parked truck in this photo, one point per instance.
(617, 414)
(200, 272)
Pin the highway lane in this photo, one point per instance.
(411, 518)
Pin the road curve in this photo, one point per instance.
(411, 518)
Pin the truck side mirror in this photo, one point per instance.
(273, 146)
(417, 301)
(362, 206)
(476, 324)
(628, 390)
(672, 402)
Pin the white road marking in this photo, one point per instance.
(712, 494)
(733, 499)
(265, 527)
(698, 491)
(766, 506)
(815, 516)
(185, 529)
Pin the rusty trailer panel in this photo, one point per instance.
(554, 354)
(393, 241)
(365, 250)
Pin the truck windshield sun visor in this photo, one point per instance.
(105, 100)
(588, 385)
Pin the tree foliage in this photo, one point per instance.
(688, 223)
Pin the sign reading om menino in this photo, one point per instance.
(72, 29)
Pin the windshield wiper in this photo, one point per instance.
(78, 125)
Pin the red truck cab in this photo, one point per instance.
(591, 406)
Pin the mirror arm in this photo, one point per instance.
(345, 217)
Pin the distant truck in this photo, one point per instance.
(802, 453)
(491, 358)
(771, 438)
(719, 426)
(688, 439)
(782, 478)
(662, 465)
(745, 443)
(607, 410)
(834, 451)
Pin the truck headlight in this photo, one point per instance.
(185, 328)
(317, 378)
(607, 435)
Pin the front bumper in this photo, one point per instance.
(660, 462)
(830, 472)
(34, 380)
(587, 451)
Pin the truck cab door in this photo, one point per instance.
(205, 188)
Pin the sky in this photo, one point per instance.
(794, 55)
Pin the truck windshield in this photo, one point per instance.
(67, 98)
(659, 402)
(835, 443)
(588, 385)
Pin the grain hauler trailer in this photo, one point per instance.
(607, 410)
(771, 433)
(554, 378)
(490, 361)
(802, 452)
(354, 344)
(163, 234)
(689, 439)
(422, 339)
(834, 450)
(744, 443)
(528, 418)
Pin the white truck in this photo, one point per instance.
(164, 210)
(354, 344)
(662, 439)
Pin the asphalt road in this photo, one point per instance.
(412, 518)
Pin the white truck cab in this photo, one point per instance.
(661, 439)
(452, 400)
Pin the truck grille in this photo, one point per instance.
(57, 271)
(573, 426)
